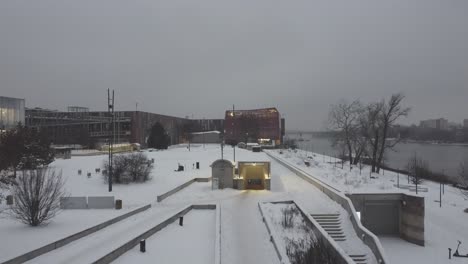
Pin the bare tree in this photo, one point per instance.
(37, 196)
(463, 178)
(391, 111)
(129, 168)
(139, 167)
(417, 170)
(371, 131)
(344, 118)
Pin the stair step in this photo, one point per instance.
(324, 214)
(336, 233)
(333, 229)
(358, 256)
(337, 236)
(339, 239)
(359, 259)
(326, 218)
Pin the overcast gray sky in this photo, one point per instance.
(184, 57)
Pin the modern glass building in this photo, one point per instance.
(11, 112)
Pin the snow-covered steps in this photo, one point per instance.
(332, 225)
(359, 259)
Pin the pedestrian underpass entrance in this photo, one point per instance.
(381, 217)
(392, 214)
(255, 175)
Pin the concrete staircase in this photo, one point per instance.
(331, 223)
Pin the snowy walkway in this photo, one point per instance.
(96, 245)
(244, 236)
(194, 242)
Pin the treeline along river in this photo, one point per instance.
(440, 157)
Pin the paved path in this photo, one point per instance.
(245, 238)
(96, 245)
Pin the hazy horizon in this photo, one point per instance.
(184, 58)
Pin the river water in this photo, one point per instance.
(440, 158)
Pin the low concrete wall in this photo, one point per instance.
(218, 235)
(282, 257)
(368, 238)
(319, 232)
(163, 196)
(91, 202)
(73, 202)
(203, 179)
(101, 202)
(412, 219)
(135, 241)
(62, 242)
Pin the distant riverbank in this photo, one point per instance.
(434, 143)
(442, 158)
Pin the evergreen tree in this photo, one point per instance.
(158, 137)
(24, 148)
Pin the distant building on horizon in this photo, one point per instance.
(12, 112)
(440, 123)
(264, 126)
(465, 123)
(90, 128)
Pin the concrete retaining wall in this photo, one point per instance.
(163, 196)
(91, 202)
(62, 242)
(412, 219)
(218, 235)
(368, 238)
(135, 241)
(73, 202)
(101, 202)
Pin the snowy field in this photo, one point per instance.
(244, 235)
(191, 243)
(443, 226)
(18, 238)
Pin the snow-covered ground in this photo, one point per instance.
(194, 241)
(244, 236)
(443, 226)
(98, 244)
(18, 238)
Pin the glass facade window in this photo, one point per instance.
(11, 112)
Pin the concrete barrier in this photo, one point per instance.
(273, 237)
(101, 202)
(62, 242)
(367, 237)
(73, 202)
(135, 241)
(163, 196)
(218, 235)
